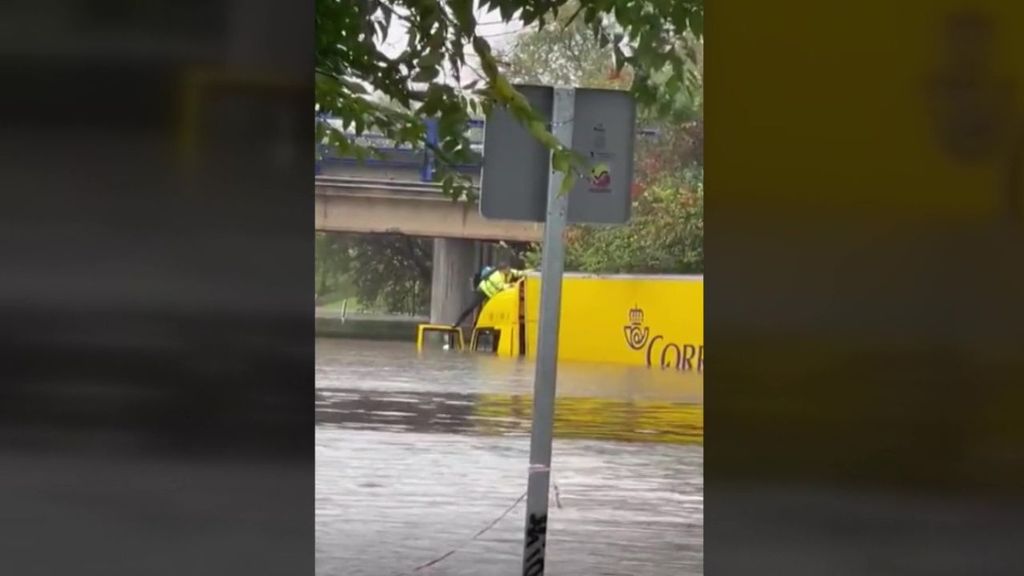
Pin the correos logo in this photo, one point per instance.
(685, 357)
(636, 332)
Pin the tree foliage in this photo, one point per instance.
(389, 273)
(567, 53)
(364, 87)
(393, 271)
(385, 273)
(331, 260)
(564, 53)
(651, 47)
(665, 234)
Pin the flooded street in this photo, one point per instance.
(416, 454)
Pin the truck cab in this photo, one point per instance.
(499, 327)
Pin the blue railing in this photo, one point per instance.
(395, 157)
(406, 157)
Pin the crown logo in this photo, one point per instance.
(636, 334)
(636, 315)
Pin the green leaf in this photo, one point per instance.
(568, 181)
(621, 12)
(559, 161)
(507, 10)
(529, 16)
(432, 104)
(436, 41)
(695, 21)
(430, 59)
(487, 62)
(463, 10)
(426, 75)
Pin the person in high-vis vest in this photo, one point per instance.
(491, 281)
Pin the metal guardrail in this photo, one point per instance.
(370, 185)
(421, 159)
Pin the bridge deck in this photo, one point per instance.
(404, 207)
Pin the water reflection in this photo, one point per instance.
(503, 414)
(396, 366)
(415, 453)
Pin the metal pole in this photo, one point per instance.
(552, 267)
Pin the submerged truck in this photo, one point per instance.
(650, 320)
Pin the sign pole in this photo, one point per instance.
(552, 268)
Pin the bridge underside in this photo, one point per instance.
(359, 205)
(415, 213)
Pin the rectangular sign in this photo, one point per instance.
(603, 133)
(516, 166)
(514, 182)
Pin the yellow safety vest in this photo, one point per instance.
(496, 282)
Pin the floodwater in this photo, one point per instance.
(417, 453)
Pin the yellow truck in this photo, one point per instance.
(651, 320)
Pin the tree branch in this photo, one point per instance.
(572, 18)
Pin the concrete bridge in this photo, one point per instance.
(417, 209)
(393, 193)
(413, 208)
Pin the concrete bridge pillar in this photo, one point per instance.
(455, 262)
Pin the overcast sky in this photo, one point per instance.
(489, 25)
(499, 34)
